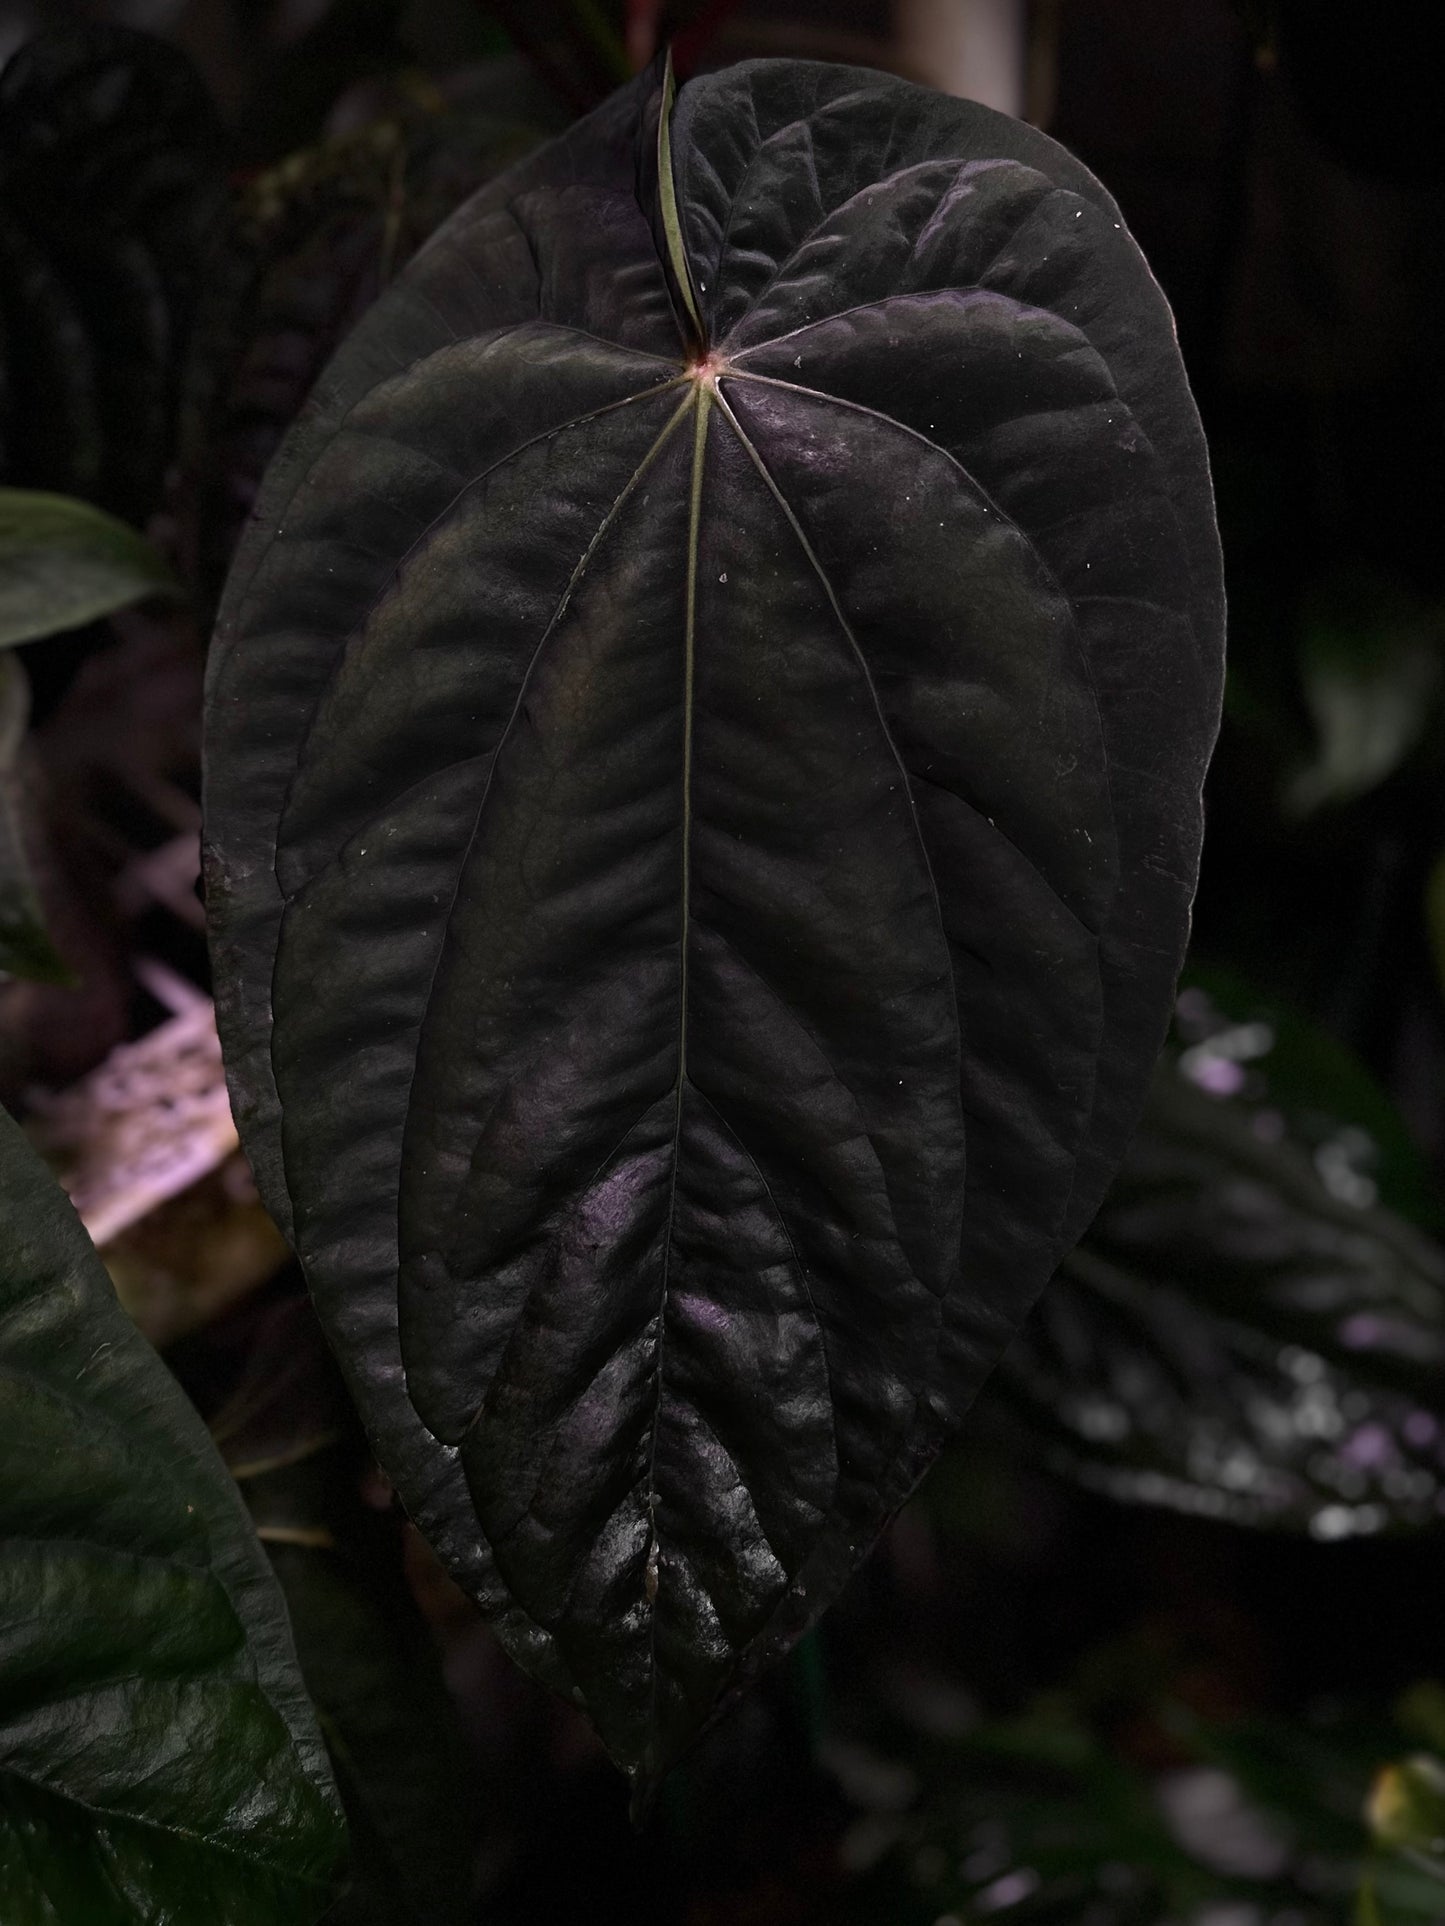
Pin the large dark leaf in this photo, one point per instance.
(703, 799)
(158, 1758)
(1245, 1332)
(109, 181)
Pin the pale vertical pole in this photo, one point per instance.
(977, 49)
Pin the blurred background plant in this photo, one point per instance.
(1157, 1642)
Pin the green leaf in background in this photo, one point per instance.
(1110, 1802)
(292, 1440)
(1319, 1779)
(64, 563)
(159, 1761)
(25, 946)
(1406, 1811)
(1045, 1820)
(1036, 1820)
(1371, 665)
(1245, 1333)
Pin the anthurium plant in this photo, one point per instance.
(705, 737)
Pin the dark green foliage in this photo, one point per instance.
(1372, 667)
(109, 184)
(1407, 1817)
(158, 1759)
(705, 746)
(312, 243)
(64, 563)
(26, 948)
(293, 1443)
(1121, 1806)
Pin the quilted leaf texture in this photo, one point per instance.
(705, 745)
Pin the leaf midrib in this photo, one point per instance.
(573, 582)
(701, 399)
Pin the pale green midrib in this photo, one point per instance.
(694, 520)
(703, 407)
(667, 193)
(574, 580)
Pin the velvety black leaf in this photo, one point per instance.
(291, 1438)
(703, 802)
(158, 1758)
(1243, 1333)
(109, 182)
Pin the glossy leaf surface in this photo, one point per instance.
(159, 1762)
(705, 740)
(1247, 1331)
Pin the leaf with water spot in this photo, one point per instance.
(705, 740)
